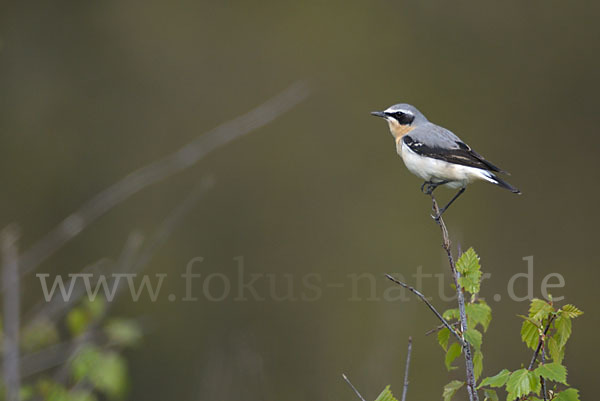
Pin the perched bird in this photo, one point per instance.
(437, 155)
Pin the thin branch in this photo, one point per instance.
(436, 329)
(353, 388)
(430, 306)
(158, 170)
(544, 390)
(11, 311)
(405, 388)
(470, 371)
(540, 344)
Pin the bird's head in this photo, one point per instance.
(401, 118)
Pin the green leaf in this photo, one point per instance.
(453, 352)
(479, 313)
(557, 353)
(474, 337)
(95, 308)
(468, 262)
(478, 364)
(386, 395)
(39, 334)
(567, 395)
(26, 393)
(490, 395)
(530, 334)
(443, 338)
(123, 332)
(470, 271)
(571, 311)
(81, 395)
(552, 371)
(451, 314)
(522, 382)
(498, 380)
(451, 388)
(563, 329)
(470, 281)
(540, 309)
(77, 321)
(106, 371)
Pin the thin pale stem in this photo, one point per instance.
(353, 388)
(405, 388)
(470, 371)
(158, 170)
(430, 306)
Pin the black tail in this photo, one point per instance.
(505, 185)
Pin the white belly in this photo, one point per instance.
(436, 170)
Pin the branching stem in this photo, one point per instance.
(430, 306)
(471, 385)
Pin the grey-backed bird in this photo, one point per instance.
(437, 155)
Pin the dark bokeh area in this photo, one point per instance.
(93, 90)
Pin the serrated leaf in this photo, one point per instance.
(536, 323)
(470, 281)
(490, 395)
(451, 388)
(557, 353)
(530, 334)
(451, 314)
(498, 380)
(521, 382)
(453, 352)
(470, 271)
(386, 395)
(540, 309)
(479, 313)
(477, 364)
(563, 329)
(443, 337)
(570, 394)
(474, 337)
(468, 262)
(571, 311)
(552, 371)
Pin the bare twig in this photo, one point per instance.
(158, 170)
(470, 371)
(405, 388)
(540, 344)
(544, 390)
(430, 306)
(428, 332)
(11, 310)
(353, 388)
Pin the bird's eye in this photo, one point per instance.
(403, 118)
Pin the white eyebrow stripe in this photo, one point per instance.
(399, 110)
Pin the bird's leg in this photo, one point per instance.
(442, 210)
(429, 186)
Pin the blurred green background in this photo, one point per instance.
(93, 90)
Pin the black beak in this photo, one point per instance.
(379, 114)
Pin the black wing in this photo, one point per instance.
(462, 154)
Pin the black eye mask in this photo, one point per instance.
(402, 118)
